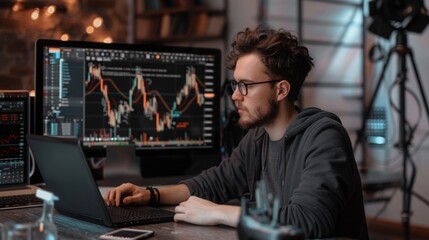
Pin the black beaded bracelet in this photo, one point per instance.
(158, 199)
(154, 198)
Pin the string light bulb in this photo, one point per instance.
(17, 7)
(89, 29)
(50, 10)
(35, 14)
(97, 22)
(65, 37)
(108, 40)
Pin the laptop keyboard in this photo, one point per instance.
(131, 213)
(17, 201)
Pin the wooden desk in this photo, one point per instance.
(71, 228)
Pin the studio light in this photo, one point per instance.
(390, 15)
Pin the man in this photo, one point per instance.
(305, 156)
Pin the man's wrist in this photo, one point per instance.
(228, 215)
(154, 196)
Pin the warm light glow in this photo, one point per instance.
(35, 14)
(50, 10)
(97, 22)
(65, 37)
(108, 40)
(16, 7)
(89, 29)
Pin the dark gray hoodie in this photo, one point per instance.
(318, 181)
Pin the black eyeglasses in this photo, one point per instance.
(242, 86)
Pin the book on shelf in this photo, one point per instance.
(147, 5)
(201, 25)
(153, 5)
(165, 30)
(147, 28)
(215, 25)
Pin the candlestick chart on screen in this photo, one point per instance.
(149, 104)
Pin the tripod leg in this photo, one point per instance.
(361, 132)
(420, 197)
(402, 77)
(416, 72)
(408, 183)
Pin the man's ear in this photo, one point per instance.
(283, 89)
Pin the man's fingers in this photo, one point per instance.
(179, 209)
(117, 197)
(113, 197)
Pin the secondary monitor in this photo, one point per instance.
(14, 161)
(162, 99)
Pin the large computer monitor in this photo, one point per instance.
(162, 99)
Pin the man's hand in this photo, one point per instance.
(203, 212)
(126, 193)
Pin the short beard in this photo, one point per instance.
(261, 119)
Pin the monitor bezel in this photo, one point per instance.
(146, 151)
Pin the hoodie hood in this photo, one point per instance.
(303, 120)
(306, 118)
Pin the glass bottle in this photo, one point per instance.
(44, 227)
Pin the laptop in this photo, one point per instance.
(15, 191)
(66, 173)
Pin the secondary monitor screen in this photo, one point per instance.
(14, 161)
(155, 97)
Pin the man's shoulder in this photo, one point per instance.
(317, 114)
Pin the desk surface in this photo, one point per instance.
(70, 228)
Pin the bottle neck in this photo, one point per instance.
(48, 210)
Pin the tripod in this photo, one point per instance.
(401, 48)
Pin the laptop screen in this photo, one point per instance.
(14, 160)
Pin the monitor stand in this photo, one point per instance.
(121, 162)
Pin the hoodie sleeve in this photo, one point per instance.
(226, 181)
(327, 182)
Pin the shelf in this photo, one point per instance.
(165, 23)
(179, 38)
(178, 10)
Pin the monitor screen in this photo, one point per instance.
(160, 98)
(14, 161)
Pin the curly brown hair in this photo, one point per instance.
(280, 52)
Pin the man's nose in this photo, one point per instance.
(236, 95)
